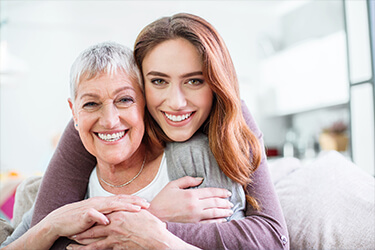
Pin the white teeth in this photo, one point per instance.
(177, 118)
(111, 137)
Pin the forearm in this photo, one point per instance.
(41, 236)
(259, 230)
(67, 175)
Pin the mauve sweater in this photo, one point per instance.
(67, 175)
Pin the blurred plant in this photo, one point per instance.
(338, 127)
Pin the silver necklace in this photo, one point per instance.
(128, 182)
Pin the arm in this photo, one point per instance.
(71, 165)
(70, 220)
(259, 230)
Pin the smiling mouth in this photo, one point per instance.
(112, 137)
(177, 118)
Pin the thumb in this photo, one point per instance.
(94, 216)
(186, 182)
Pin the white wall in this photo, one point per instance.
(46, 36)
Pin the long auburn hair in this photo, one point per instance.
(235, 148)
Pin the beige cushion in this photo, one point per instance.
(25, 197)
(5, 230)
(329, 204)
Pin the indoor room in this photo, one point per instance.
(305, 70)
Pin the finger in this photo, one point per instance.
(88, 241)
(102, 244)
(215, 203)
(94, 232)
(216, 213)
(186, 182)
(92, 216)
(74, 247)
(204, 193)
(129, 203)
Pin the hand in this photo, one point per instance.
(130, 230)
(79, 216)
(175, 203)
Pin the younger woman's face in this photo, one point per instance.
(177, 95)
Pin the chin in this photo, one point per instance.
(180, 137)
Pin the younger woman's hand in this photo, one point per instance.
(176, 203)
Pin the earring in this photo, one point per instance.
(76, 124)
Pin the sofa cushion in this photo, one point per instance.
(25, 197)
(329, 204)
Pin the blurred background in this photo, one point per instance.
(305, 69)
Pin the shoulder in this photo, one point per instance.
(198, 144)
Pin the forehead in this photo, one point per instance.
(108, 81)
(173, 53)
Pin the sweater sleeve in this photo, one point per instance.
(66, 178)
(264, 229)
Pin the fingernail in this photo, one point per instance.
(136, 207)
(231, 204)
(199, 179)
(74, 236)
(229, 193)
(106, 221)
(69, 247)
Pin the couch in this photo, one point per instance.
(328, 203)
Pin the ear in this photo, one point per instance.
(71, 106)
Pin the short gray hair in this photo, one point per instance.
(106, 57)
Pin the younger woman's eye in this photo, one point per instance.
(195, 81)
(158, 81)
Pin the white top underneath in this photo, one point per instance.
(148, 193)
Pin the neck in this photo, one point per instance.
(120, 173)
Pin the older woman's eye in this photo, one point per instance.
(195, 82)
(90, 105)
(126, 101)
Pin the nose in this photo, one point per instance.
(110, 116)
(176, 97)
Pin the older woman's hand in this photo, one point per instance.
(75, 218)
(175, 203)
(79, 216)
(130, 230)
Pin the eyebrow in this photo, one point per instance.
(157, 73)
(115, 92)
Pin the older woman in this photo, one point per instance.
(108, 107)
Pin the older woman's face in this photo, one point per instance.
(109, 112)
(177, 95)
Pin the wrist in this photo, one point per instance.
(47, 231)
(155, 212)
(171, 241)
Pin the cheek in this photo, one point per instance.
(153, 97)
(206, 100)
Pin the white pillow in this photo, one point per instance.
(282, 167)
(329, 204)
